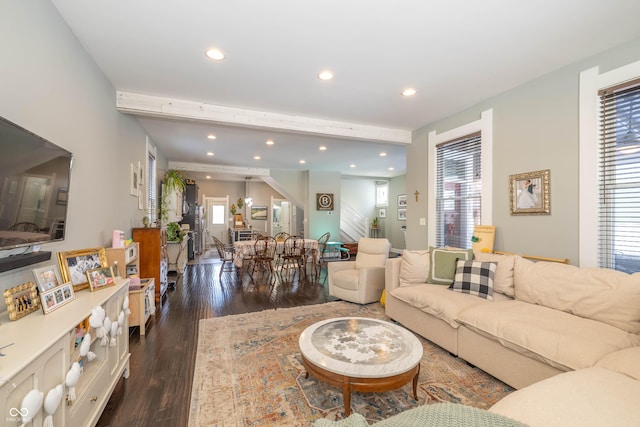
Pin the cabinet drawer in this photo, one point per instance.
(89, 403)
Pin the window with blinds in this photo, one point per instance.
(152, 191)
(458, 190)
(619, 178)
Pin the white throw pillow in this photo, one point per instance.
(503, 279)
(414, 267)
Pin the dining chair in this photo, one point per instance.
(293, 255)
(263, 255)
(226, 256)
(318, 259)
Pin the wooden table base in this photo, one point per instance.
(349, 384)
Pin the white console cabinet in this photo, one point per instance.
(43, 351)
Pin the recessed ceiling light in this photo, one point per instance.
(392, 168)
(211, 136)
(209, 153)
(383, 154)
(408, 92)
(270, 142)
(256, 157)
(302, 162)
(325, 75)
(352, 165)
(208, 176)
(322, 148)
(215, 54)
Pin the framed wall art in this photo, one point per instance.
(21, 300)
(382, 212)
(100, 278)
(530, 193)
(57, 297)
(402, 214)
(402, 200)
(134, 179)
(324, 201)
(259, 212)
(74, 265)
(47, 277)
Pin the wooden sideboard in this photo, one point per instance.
(154, 260)
(43, 351)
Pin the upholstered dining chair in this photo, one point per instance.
(362, 280)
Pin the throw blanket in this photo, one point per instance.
(436, 415)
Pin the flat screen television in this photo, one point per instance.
(35, 176)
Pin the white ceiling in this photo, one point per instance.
(454, 53)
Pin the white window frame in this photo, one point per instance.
(591, 82)
(382, 193)
(485, 126)
(151, 208)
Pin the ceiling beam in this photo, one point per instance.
(148, 105)
(219, 169)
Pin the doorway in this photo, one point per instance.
(280, 216)
(215, 223)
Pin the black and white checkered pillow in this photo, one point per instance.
(475, 278)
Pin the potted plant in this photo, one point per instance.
(173, 184)
(175, 233)
(374, 223)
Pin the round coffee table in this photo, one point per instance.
(359, 354)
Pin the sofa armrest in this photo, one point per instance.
(332, 267)
(392, 273)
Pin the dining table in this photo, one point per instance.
(245, 249)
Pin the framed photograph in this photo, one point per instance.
(402, 214)
(21, 300)
(47, 277)
(402, 200)
(74, 265)
(57, 297)
(100, 278)
(134, 179)
(63, 194)
(382, 212)
(530, 193)
(259, 212)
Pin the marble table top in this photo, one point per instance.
(360, 347)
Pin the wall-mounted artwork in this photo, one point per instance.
(259, 213)
(530, 193)
(324, 201)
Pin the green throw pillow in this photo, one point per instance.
(442, 268)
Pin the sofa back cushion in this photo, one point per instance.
(372, 252)
(503, 278)
(414, 267)
(605, 295)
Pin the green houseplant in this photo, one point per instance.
(173, 181)
(175, 233)
(374, 223)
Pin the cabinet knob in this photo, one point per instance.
(94, 398)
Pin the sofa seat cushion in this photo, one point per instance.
(588, 397)
(625, 361)
(562, 340)
(346, 279)
(438, 301)
(601, 294)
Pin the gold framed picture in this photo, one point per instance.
(21, 300)
(100, 278)
(530, 193)
(74, 265)
(57, 297)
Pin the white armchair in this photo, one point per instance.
(360, 281)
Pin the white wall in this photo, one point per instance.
(54, 89)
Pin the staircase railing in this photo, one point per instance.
(353, 225)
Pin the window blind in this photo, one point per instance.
(458, 190)
(619, 178)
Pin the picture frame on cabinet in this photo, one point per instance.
(21, 300)
(57, 297)
(100, 278)
(74, 265)
(47, 277)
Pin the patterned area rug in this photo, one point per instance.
(248, 372)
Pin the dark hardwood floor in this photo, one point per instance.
(157, 392)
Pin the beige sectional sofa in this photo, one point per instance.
(544, 319)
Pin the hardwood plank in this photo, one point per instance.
(158, 389)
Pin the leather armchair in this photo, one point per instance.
(362, 280)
